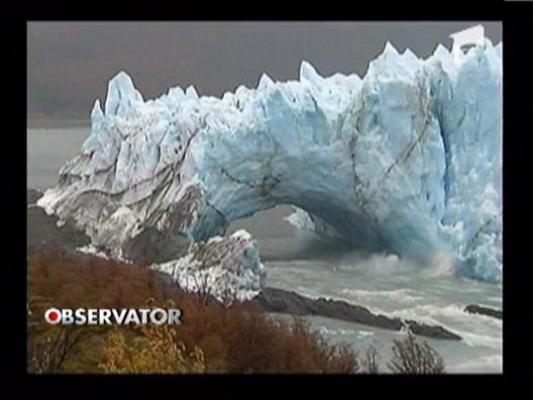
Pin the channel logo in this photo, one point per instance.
(113, 316)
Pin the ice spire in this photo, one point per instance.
(390, 49)
(308, 73)
(265, 81)
(191, 93)
(96, 114)
(121, 95)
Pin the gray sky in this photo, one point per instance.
(70, 63)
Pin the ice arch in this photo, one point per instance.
(407, 158)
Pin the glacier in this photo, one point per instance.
(406, 159)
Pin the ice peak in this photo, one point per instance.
(176, 92)
(409, 55)
(440, 51)
(121, 94)
(191, 92)
(265, 81)
(390, 49)
(96, 113)
(390, 63)
(308, 73)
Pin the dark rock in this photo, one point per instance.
(431, 331)
(43, 232)
(349, 312)
(32, 196)
(282, 301)
(152, 246)
(491, 312)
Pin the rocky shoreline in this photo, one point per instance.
(287, 302)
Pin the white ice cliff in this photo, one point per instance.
(406, 159)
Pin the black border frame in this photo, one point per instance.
(517, 18)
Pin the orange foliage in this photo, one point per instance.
(87, 281)
(238, 338)
(155, 350)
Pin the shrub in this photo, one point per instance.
(412, 357)
(240, 339)
(76, 280)
(50, 347)
(154, 350)
(213, 337)
(370, 362)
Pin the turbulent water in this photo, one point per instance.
(383, 283)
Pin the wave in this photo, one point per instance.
(476, 330)
(324, 330)
(402, 296)
(492, 363)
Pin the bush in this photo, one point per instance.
(70, 280)
(76, 280)
(213, 337)
(154, 350)
(240, 339)
(370, 362)
(412, 357)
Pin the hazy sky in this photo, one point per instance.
(70, 63)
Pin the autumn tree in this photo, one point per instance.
(156, 349)
(215, 336)
(49, 347)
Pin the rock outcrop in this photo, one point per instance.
(282, 301)
(46, 231)
(490, 312)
